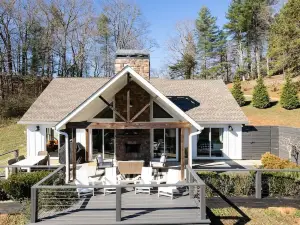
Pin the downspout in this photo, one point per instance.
(190, 145)
(67, 155)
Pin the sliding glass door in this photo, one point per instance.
(210, 142)
(165, 141)
(103, 143)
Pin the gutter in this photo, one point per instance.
(67, 155)
(190, 163)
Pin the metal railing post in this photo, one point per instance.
(258, 184)
(118, 203)
(202, 203)
(34, 205)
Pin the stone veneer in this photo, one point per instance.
(139, 65)
(143, 138)
(138, 99)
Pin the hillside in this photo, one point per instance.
(274, 115)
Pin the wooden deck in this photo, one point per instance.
(136, 209)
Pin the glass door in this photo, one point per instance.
(210, 142)
(165, 141)
(104, 143)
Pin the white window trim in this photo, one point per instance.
(160, 119)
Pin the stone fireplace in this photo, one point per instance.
(133, 145)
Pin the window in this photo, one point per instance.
(51, 142)
(103, 143)
(165, 141)
(159, 112)
(210, 142)
(106, 113)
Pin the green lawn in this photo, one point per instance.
(273, 116)
(12, 136)
(257, 216)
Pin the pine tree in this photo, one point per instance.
(207, 32)
(289, 98)
(237, 91)
(284, 38)
(260, 98)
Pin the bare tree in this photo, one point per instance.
(292, 146)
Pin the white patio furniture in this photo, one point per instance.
(83, 179)
(172, 178)
(110, 178)
(145, 178)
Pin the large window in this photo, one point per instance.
(103, 143)
(159, 112)
(165, 141)
(210, 142)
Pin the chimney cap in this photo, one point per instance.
(132, 53)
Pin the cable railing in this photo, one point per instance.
(184, 202)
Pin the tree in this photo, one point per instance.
(284, 45)
(260, 98)
(184, 67)
(289, 96)
(237, 91)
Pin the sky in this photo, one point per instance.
(163, 15)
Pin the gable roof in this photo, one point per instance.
(64, 95)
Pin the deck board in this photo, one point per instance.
(136, 209)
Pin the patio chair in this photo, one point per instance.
(83, 179)
(172, 178)
(145, 178)
(100, 164)
(110, 178)
(11, 162)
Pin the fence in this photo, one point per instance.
(286, 178)
(258, 140)
(66, 202)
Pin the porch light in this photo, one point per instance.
(230, 128)
(37, 128)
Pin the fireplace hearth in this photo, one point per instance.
(132, 148)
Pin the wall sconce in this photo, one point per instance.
(230, 128)
(37, 128)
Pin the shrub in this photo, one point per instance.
(270, 161)
(260, 98)
(3, 195)
(243, 184)
(237, 91)
(289, 98)
(18, 186)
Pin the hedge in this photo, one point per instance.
(18, 186)
(3, 195)
(243, 184)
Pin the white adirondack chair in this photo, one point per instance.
(83, 179)
(172, 178)
(110, 178)
(144, 178)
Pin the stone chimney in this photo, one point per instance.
(138, 60)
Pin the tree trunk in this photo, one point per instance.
(257, 59)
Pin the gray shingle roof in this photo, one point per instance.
(65, 94)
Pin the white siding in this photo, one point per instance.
(36, 140)
(80, 136)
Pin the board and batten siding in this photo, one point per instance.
(36, 140)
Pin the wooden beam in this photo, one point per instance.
(87, 144)
(138, 125)
(128, 105)
(182, 153)
(140, 112)
(112, 108)
(74, 152)
(78, 125)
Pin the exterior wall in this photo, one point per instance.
(81, 137)
(36, 140)
(232, 142)
(139, 65)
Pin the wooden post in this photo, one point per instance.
(118, 204)
(128, 105)
(87, 144)
(74, 152)
(182, 152)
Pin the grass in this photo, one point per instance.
(12, 136)
(257, 216)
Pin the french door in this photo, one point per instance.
(165, 141)
(104, 143)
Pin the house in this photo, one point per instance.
(133, 116)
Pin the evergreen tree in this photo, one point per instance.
(237, 91)
(260, 98)
(289, 98)
(207, 32)
(284, 44)
(184, 67)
